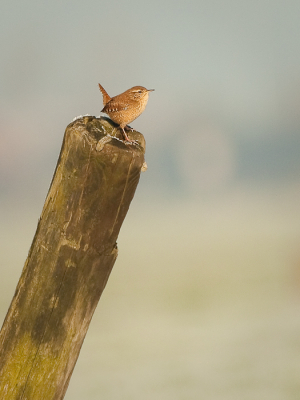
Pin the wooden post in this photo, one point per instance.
(69, 262)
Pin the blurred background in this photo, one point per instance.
(204, 299)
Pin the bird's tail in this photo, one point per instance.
(106, 97)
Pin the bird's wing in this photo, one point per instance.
(115, 105)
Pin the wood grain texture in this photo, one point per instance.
(69, 262)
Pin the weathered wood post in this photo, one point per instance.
(71, 257)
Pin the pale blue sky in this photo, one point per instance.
(227, 69)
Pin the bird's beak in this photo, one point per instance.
(150, 90)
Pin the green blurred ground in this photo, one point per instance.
(203, 301)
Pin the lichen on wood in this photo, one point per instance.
(69, 262)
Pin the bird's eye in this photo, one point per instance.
(139, 91)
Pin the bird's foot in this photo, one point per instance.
(126, 138)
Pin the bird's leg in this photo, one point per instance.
(125, 136)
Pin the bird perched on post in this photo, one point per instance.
(125, 107)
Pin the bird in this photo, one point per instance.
(125, 107)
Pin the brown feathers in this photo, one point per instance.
(125, 107)
(106, 97)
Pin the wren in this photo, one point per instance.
(125, 107)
